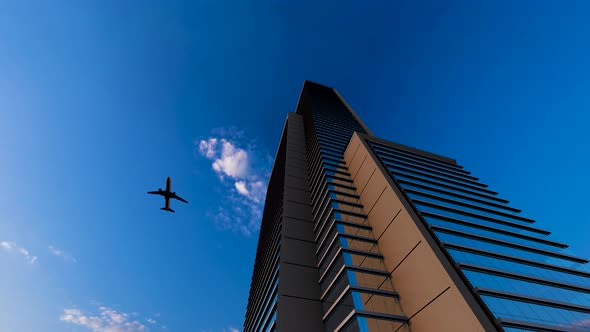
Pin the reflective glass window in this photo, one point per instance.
(425, 208)
(451, 238)
(509, 266)
(438, 180)
(465, 198)
(491, 234)
(465, 208)
(449, 187)
(504, 308)
(480, 279)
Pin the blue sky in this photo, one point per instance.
(101, 101)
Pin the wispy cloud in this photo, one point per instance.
(229, 329)
(60, 253)
(105, 320)
(243, 171)
(13, 247)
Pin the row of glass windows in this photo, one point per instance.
(439, 189)
(464, 204)
(515, 267)
(467, 208)
(516, 252)
(396, 152)
(440, 179)
(265, 301)
(481, 279)
(433, 172)
(261, 293)
(265, 311)
(524, 311)
(489, 233)
(460, 197)
(489, 222)
(431, 183)
(389, 156)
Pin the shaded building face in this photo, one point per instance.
(362, 234)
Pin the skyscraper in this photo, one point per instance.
(362, 234)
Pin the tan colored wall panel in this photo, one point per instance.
(419, 279)
(383, 212)
(373, 190)
(398, 240)
(417, 274)
(356, 162)
(446, 314)
(352, 147)
(364, 173)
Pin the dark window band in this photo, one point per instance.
(492, 229)
(515, 259)
(471, 206)
(537, 280)
(509, 244)
(532, 299)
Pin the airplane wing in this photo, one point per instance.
(179, 198)
(153, 192)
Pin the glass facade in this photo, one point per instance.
(261, 312)
(528, 281)
(357, 294)
(319, 267)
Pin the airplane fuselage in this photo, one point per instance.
(168, 194)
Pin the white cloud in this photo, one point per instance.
(106, 320)
(241, 187)
(232, 162)
(208, 148)
(243, 171)
(151, 321)
(13, 247)
(60, 253)
(233, 329)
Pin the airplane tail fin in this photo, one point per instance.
(167, 209)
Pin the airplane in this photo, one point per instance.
(167, 195)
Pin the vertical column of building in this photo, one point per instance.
(261, 313)
(299, 306)
(357, 294)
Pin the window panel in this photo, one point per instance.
(466, 257)
(424, 208)
(504, 308)
(466, 198)
(451, 238)
(494, 235)
(480, 279)
(464, 208)
(447, 187)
